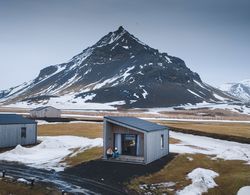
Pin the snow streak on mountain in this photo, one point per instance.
(118, 70)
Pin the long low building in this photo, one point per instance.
(15, 130)
(45, 112)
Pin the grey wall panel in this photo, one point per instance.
(153, 146)
(10, 135)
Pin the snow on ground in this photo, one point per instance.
(51, 151)
(70, 102)
(146, 187)
(202, 180)
(244, 190)
(226, 150)
(243, 109)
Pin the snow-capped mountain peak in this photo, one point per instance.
(118, 68)
(240, 90)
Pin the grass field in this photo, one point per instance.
(89, 130)
(8, 186)
(234, 129)
(232, 175)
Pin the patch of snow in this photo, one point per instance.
(125, 47)
(140, 73)
(244, 190)
(219, 97)
(190, 158)
(168, 59)
(51, 151)
(105, 82)
(227, 150)
(194, 93)
(144, 94)
(89, 97)
(136, 95)
(147, 187)
(126, 73)
(202, 180)
(198, 83)
(22, 180)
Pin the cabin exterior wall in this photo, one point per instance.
(10, 135)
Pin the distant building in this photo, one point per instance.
(45, 112)
(15, 129)
(137, 140)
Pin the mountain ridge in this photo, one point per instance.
(118, 67)
(240, 90)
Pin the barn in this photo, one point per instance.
(137, 140)
(15, 129)
(45, 112)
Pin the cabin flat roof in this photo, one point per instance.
(14, 119)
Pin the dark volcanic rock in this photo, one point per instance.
(119, 67)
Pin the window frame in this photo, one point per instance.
(23, 132)
(162, 141)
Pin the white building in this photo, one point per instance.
(15, 129)
(45, 112)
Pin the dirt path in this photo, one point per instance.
(117, 174)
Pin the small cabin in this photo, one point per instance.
(137, 140)
(15, 130)
(45, 112)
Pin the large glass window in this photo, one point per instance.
(129, 142)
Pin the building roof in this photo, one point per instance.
(137, 123)
(43, 107)
(14, 119)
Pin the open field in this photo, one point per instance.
(196, 114)
(229, 131)
(232, 175)
(89, 130)
(8, 186)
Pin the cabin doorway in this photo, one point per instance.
(129, 144)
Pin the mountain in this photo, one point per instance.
(240, 90)
(118, 70)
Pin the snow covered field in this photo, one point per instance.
(227, 150)
(51, 151)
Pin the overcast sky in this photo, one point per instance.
(211, 36)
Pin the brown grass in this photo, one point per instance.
(8, 187)
(232, 174)
(90, 130)
(174, 141)
(87, 155)
(235, 129)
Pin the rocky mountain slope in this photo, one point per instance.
(240, 90)
(119, 70)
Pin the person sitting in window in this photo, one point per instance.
(116, 153)
(109, 152)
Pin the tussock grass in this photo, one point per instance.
(89, 130)
(235, 129)
(87, 155)
(11, 187)
(233, 174)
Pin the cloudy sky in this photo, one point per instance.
(211, 36)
